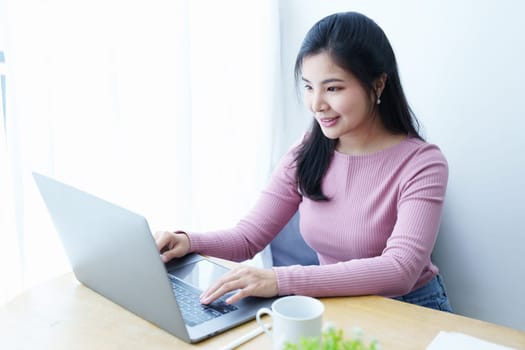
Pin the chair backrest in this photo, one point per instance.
(289, 247)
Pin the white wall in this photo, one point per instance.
(462, 67)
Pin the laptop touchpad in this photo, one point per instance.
(200, 274)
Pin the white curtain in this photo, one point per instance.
(165, 107)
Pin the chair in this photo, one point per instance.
(289, 247)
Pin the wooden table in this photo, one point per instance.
(64, 314)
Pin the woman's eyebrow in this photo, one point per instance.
(326, 81)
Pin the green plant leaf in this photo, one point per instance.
(333, 339)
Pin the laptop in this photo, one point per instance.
(113, 252)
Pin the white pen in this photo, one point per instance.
(248, 336)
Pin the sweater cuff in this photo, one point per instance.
(195, 242)
(285, 284)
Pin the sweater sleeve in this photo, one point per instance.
(273, 209)
(404, 263)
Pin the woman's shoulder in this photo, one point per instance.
(424, 150)
(421, 158)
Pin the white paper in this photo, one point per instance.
(460, 341)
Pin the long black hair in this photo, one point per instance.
(358, 45)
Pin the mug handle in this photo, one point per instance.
(261, 324)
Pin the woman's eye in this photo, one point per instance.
(333, 88)
(307, 87)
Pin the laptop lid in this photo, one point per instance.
(112, 251)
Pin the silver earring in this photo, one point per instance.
(378, 100)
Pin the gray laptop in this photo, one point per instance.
(112, 251)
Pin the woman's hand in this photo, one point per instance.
(248, 280)
(172, 244)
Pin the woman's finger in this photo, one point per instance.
(242, 293)
(176, 252)
(163, 240)
(222, 286)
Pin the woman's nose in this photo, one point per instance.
(318, 103)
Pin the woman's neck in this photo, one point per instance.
(372, 140)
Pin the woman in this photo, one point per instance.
(369, 189)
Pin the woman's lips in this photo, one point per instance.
(328, 122)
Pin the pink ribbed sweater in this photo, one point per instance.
(374, 236)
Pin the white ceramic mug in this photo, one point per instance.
(293, 317)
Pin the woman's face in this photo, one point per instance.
(338, 101)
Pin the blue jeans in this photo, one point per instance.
(432, 295)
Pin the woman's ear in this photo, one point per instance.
(378, 87)
(379, 84)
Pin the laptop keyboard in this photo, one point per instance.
(192, 310)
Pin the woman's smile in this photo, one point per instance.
(328, 122)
